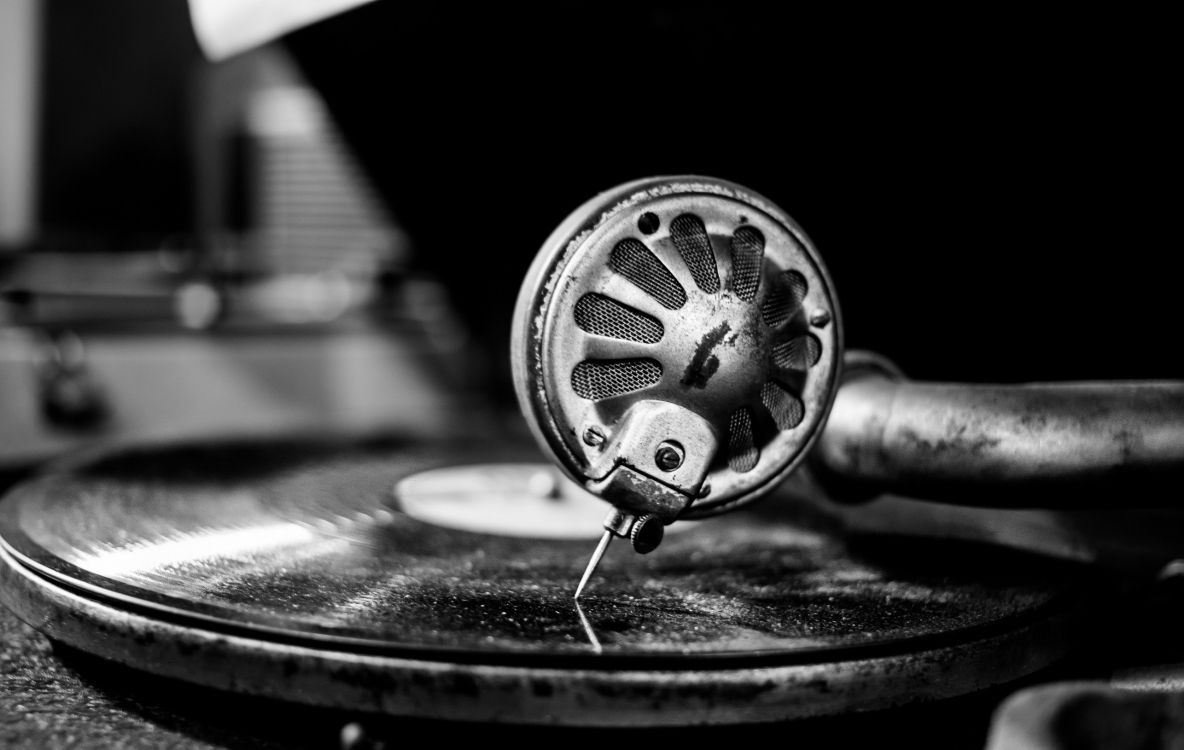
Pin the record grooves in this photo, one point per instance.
(290, 569)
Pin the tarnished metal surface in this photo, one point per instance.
(289, 570)
(671, 470)
(1114, 444)
(744, 320)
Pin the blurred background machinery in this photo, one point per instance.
(190, 248)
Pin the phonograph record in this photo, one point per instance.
(724, 519)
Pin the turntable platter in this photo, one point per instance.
(292, 569)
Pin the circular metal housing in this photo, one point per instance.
(691, 291)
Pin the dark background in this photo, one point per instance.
(116, 123)
(994, 194)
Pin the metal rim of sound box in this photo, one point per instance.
(558, 254)
(474, 692)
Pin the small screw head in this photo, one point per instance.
(819, 318)
(669, 456)
(594, 437)
(647, 534)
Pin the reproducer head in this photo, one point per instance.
(676, 349)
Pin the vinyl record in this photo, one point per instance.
(436, 580)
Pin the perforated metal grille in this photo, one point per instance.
(604, 316)
(742, 451)
(690, 237)
(635, 262)
(596, 380)
(748, 249)
(786, 409)
(799, 353)
(785, 298)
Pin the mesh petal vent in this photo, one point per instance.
(597, 380)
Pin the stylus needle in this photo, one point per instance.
(599, 553)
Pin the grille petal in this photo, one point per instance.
(786, 409)
(597, 380)
(799, 353)
(604, 316)
(690, 237)
(635, 262)
(784, 299)
(748, 250)
(742, 451)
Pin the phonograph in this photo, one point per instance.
(678, 356)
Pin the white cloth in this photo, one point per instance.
(227, 27)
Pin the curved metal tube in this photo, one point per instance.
(1057, 445)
